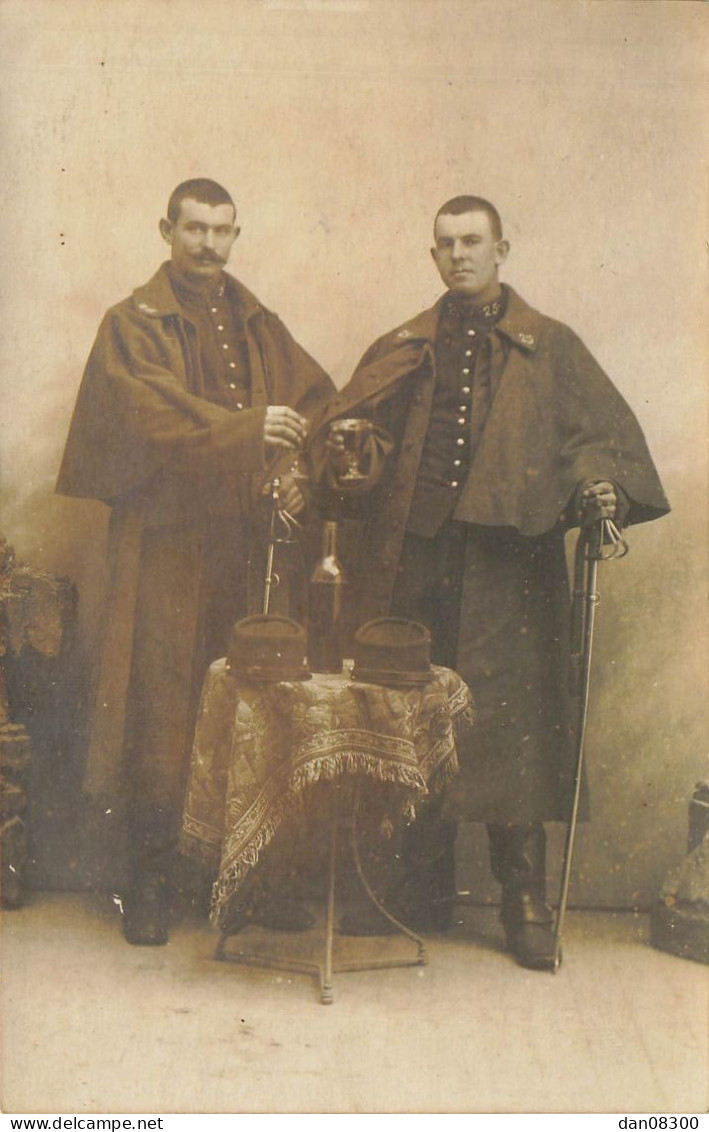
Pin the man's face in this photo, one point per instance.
(467, 254)
(201, 239)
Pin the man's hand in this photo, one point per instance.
(336, 455)
(597, 501)
(292, 498)
(284, 428)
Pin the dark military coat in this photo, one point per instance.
(180, 473)
(556, 420)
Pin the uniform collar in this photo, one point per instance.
(157, 299)
(520, 323)
(463, 307)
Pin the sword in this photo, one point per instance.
(282, 528)
(589, 552)
(271, 578)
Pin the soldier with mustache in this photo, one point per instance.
(192, 393)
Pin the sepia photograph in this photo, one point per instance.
(353, 558)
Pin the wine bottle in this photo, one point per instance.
(325, 607)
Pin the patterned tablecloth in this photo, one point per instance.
(258, 747)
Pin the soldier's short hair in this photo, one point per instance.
(200, 189)
(456, 206)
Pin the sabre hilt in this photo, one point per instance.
(611, 537)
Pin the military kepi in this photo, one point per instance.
(268, 647)
(392, 650)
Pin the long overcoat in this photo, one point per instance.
(556, 420)
(145, 440)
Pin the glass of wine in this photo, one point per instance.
(354, 432)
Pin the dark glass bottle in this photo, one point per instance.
(325, 607)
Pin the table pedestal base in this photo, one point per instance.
(328, 967)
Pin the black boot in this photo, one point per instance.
(146, 905)
(517, 856)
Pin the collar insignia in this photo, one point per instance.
(404, 333)
(491, 310)
(526, 339)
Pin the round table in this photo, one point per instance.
(259, 747)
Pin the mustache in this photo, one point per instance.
(209, 257)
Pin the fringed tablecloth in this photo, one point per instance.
(259, 746)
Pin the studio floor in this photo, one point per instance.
(91, 1025)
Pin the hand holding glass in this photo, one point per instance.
(348, 437)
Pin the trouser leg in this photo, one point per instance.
(518, 860)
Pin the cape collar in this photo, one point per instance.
(156, 298)
(520, 323)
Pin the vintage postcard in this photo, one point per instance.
(353, 313)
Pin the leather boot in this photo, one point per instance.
(517, 856)
(146, 907)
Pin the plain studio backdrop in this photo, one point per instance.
(340, 127)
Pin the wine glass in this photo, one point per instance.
(354, 432)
